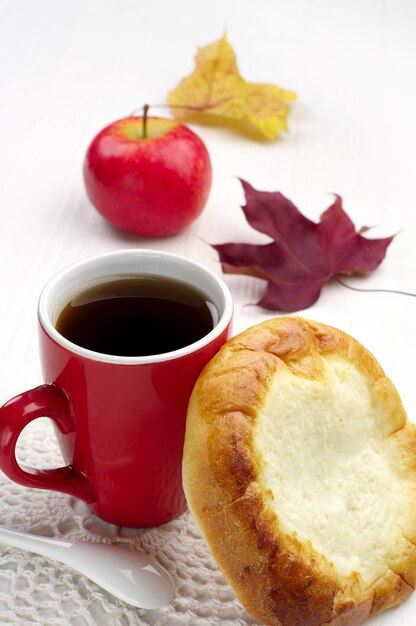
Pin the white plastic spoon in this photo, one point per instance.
(133, 577)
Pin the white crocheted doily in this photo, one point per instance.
(36, 590)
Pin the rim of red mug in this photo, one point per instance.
(49, 328)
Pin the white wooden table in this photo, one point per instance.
(69, 67)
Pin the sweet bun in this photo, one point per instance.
(300, 471)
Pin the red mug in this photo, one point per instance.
(120, 421)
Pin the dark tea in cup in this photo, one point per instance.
(137, 316)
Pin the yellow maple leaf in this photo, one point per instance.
(216, 93)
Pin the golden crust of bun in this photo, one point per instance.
(300, 471)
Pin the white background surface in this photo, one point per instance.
(67, 68)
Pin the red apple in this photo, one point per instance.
(149, 176)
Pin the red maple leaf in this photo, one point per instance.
(303, 255)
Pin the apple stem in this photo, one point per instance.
(145, 112)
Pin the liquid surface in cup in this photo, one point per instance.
(137, 316)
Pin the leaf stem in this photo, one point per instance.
(191, 107)
(397, 291)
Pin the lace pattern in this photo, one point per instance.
(37, 590)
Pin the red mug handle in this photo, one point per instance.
(43, 401)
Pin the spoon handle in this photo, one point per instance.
(53, 548)
(134, 577)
